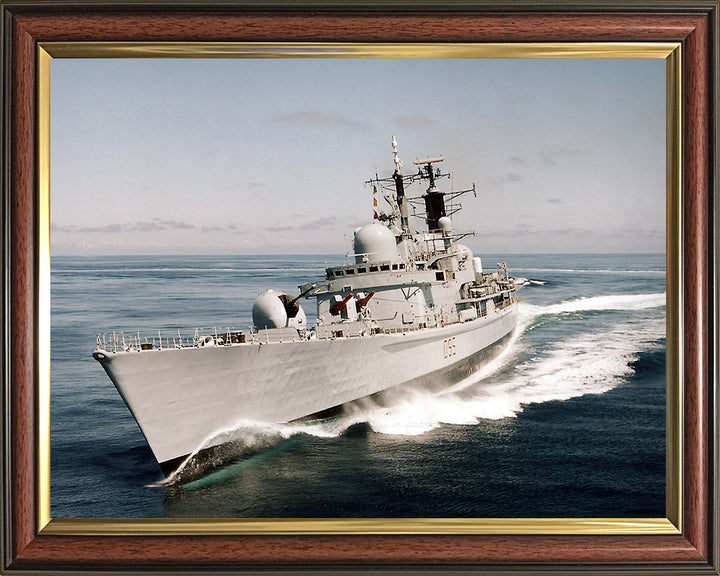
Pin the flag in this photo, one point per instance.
(375, 215)
(374, 201)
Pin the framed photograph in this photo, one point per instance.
(365, 163)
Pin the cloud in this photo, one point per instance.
(155, 225)
(279, 228)
(212, 229)
(638, 232)
(62, 227)
(555, 156)
(314, 117)
(530, 230)
(183, 226)
(328, 222)
(548, 158)
(355, 224)
(554, 201)
(507, 177)
(584, 238)
(112, 228)
(172, 223)
(146, 227)
(517, 161)
(417, 121)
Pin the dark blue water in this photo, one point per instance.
(569, 422)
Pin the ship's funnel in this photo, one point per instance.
(434, 199)
(434, 207)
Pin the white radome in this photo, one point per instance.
(375, 243)
(463, 252)
(445, 224)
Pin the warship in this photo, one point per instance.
(410, 307)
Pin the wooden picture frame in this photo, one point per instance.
(686, 543)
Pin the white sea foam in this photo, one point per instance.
(247, 437)
(527, 281)
(586, 363)
(588, 271)
(595, 303)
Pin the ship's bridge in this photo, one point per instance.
(356, 269)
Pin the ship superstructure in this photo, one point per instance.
(414, 307)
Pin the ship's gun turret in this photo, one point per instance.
(273, 309)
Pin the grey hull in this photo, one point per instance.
(436, 380)
(183, 399)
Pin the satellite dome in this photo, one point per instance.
(375, 243)
(463, 252)
(445, 224)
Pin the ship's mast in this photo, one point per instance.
(400, 189)
(433, 201)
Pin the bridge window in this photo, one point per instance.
(440, 276)
(394, 267)
(361, 270)
(339, 273)
(349, 271)
(384, 267)
(373, 268)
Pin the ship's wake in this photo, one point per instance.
(588, 362)
(529, 370)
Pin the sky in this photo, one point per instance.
(270, 156)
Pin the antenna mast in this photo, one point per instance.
(400, 189)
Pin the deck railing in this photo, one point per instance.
(171, 338)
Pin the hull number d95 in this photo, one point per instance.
(449, 347)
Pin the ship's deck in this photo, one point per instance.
(173, 338)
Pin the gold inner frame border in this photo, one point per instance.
(670, 52)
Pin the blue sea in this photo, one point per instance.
(568, 422)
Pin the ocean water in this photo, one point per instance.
(568, 422)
